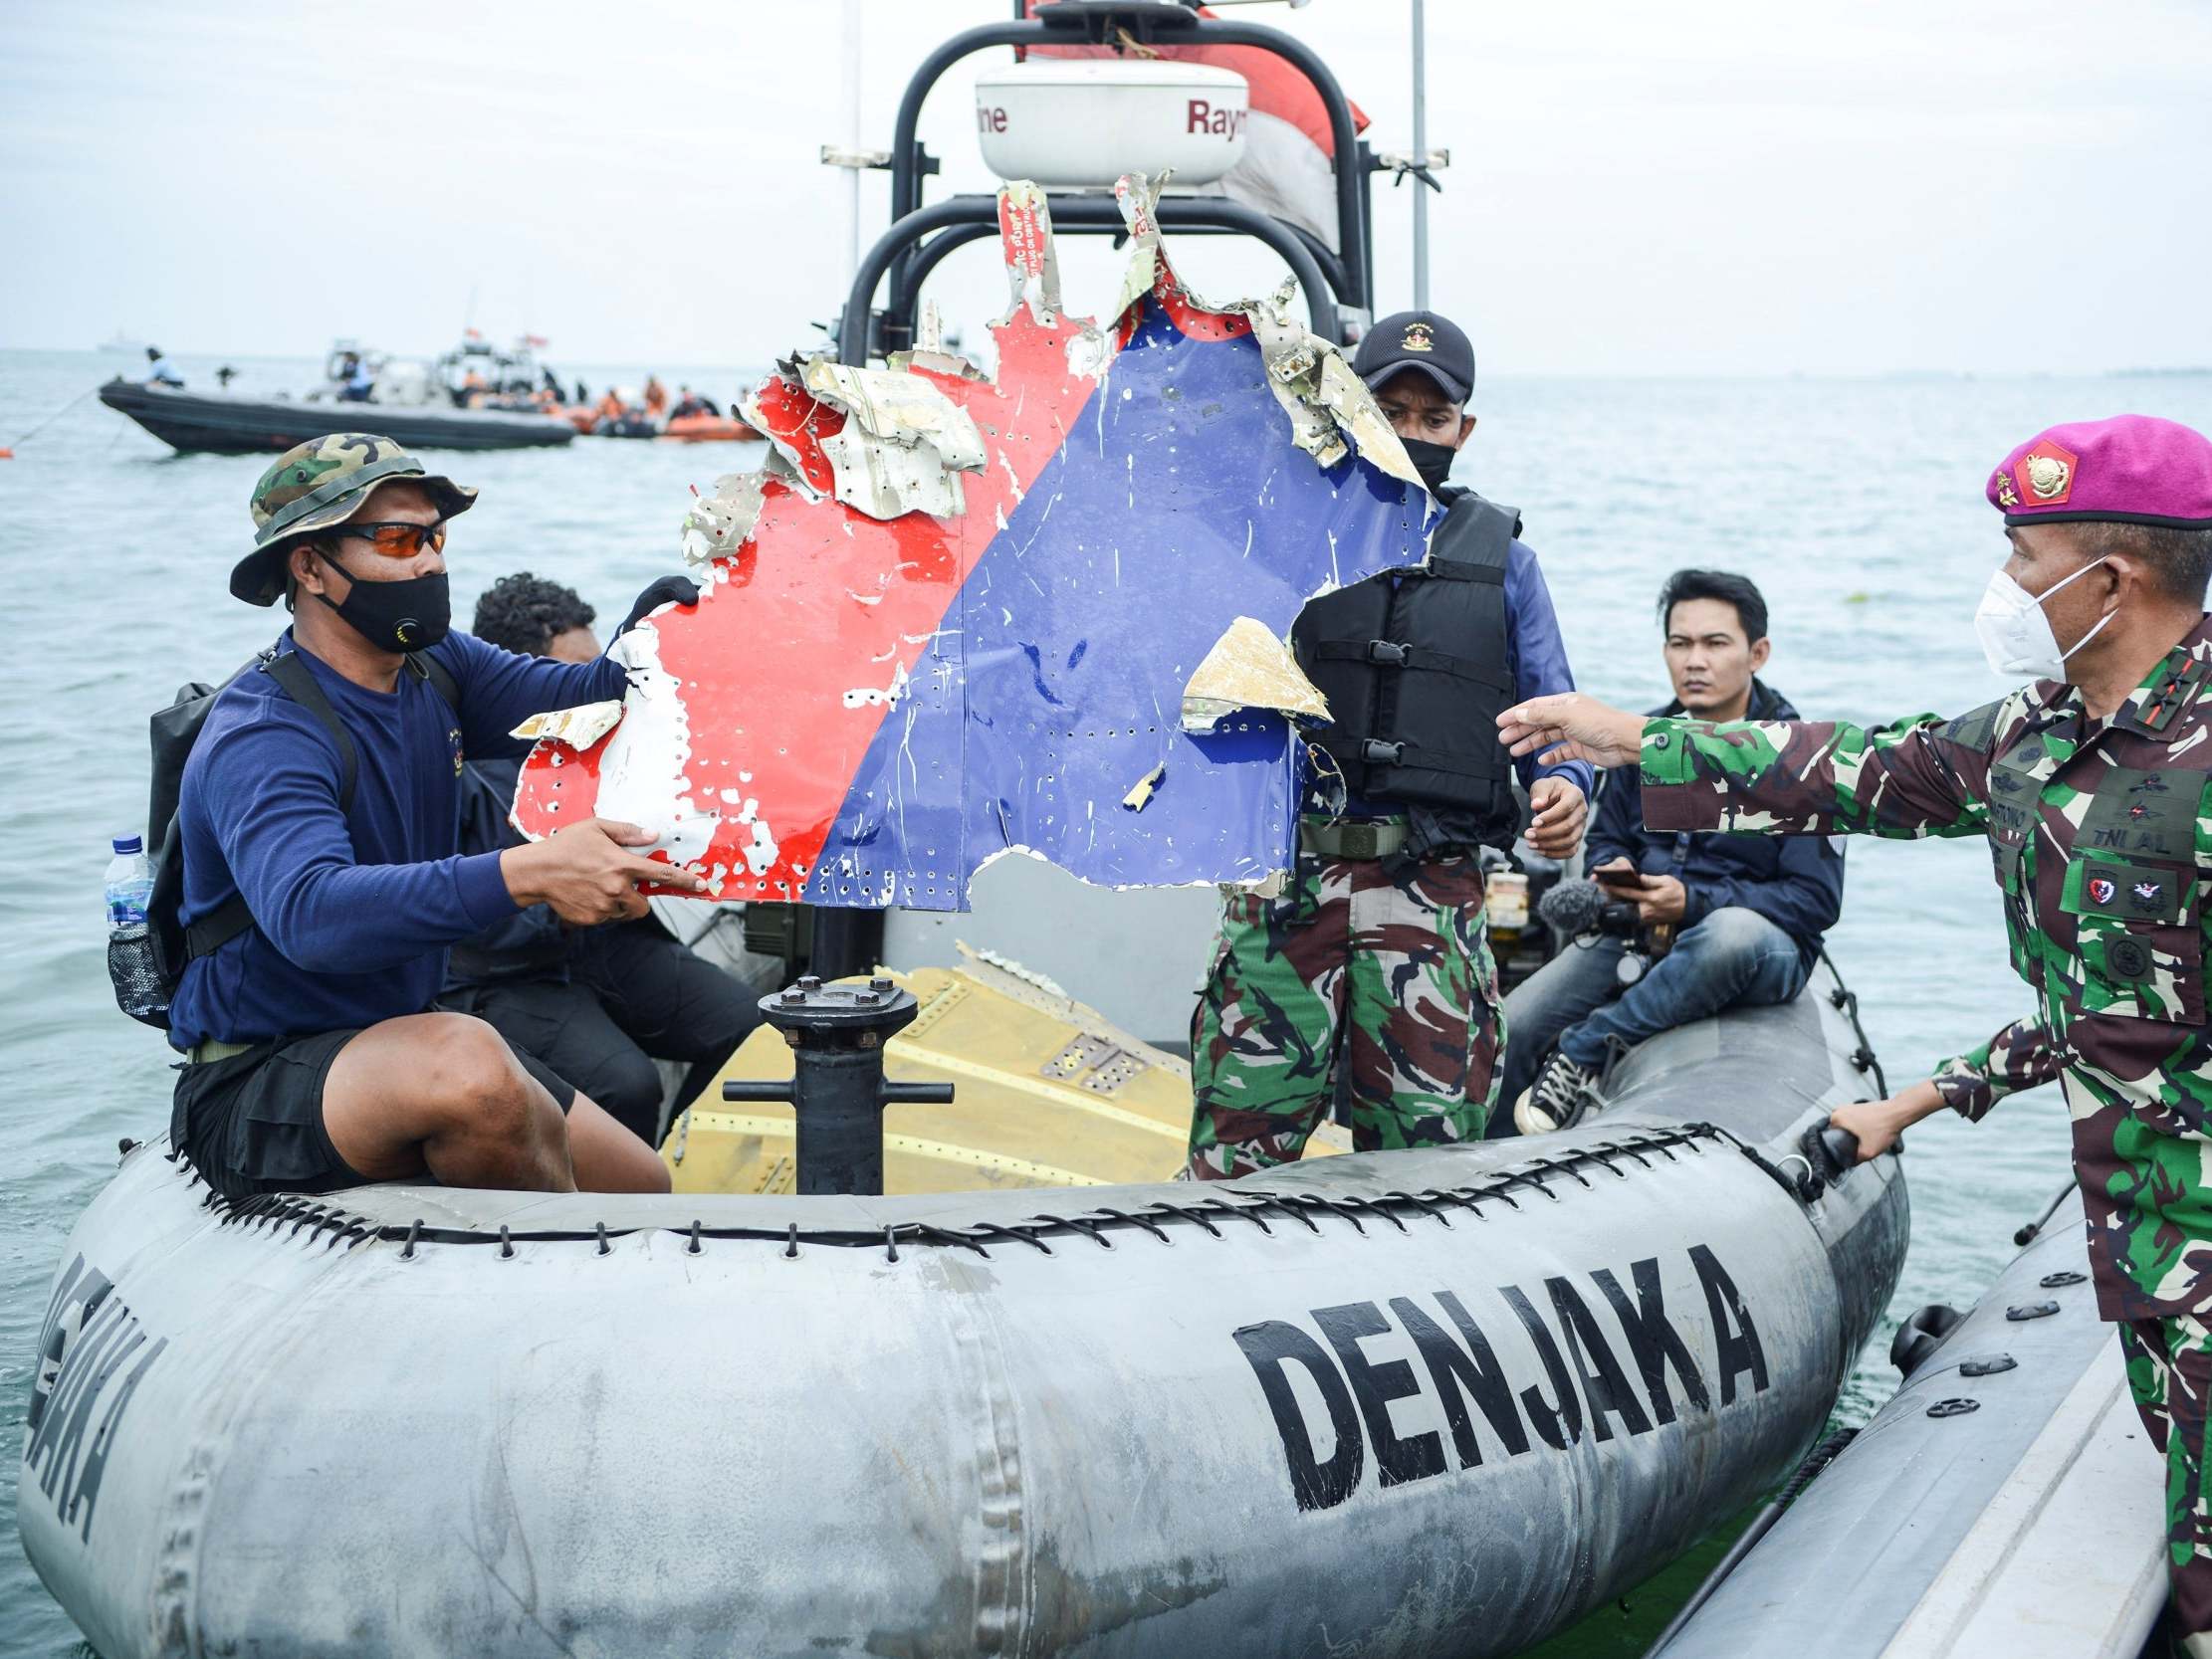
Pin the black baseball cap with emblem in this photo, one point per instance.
(1435, 346)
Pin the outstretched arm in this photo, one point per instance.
(2022, 1056)
(1918, 777)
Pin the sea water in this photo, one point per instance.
(1855, 504)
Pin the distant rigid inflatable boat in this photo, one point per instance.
(1397, 1403)
(218, 423)
(709, 429)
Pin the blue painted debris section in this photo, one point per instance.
(1177, 503)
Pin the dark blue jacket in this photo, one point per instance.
(1796, 881)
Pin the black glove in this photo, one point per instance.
(680, 590)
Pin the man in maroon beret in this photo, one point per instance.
(2093, 785)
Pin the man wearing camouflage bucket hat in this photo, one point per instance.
(323, 878)
(2093, 785)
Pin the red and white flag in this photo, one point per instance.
(1287, 170)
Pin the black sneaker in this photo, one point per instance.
(1563, 1095)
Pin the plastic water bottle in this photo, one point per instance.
(132, 969)
(129, 883)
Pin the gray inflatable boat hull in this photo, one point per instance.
(2014, 1513)
(1422, 1403)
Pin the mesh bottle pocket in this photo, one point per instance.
(136, 976)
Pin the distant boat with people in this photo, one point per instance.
(224, 423)
(476, 396)
(416, 402)
(629, 412)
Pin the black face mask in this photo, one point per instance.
(1432, 461)
(408, 615)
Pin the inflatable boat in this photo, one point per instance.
(1415, 1402)
(709, 429)
(225, 425)
(1948, 1523)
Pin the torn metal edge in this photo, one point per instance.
(1331, 410)
(715, 525)
(579, 728)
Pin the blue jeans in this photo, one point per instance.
(1734, 956)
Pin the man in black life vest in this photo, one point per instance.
(1375, 957)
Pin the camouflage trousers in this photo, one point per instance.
(1382, 967)
(2169, 1371)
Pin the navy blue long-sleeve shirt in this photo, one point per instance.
(1796, 882)
(530, 943)
(352, 911)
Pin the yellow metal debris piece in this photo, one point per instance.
(1046, 1094)
(1141, 792)
(1248, 668)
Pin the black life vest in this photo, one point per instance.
(145, 971)
(1417, 667)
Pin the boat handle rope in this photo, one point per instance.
(1152, 1227)
(1420, 1204)
(1799, 1158)
(1164, 1208)
(330, 1222)
(1846, 1000)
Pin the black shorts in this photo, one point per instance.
(252, 1122)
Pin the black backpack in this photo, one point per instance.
(145, 969)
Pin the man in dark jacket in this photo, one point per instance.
(596, 1005)
(1744, 915)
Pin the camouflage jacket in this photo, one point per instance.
(2022, 1056)
(2100, 833)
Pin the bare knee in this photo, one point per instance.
(474, 1085)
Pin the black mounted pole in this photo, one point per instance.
(838, 1091)
(903, 253)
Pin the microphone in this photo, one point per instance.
(1575, 907)
(1584, 909)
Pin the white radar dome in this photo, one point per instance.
(1072, 124)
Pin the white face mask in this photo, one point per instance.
(2015, 634)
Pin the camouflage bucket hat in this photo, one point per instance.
(320, 483)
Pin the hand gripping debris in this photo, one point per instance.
(956, 616)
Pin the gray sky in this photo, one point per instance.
(1712, 186)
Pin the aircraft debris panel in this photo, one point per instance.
(958, 616)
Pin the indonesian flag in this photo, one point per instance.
(1287, 170)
